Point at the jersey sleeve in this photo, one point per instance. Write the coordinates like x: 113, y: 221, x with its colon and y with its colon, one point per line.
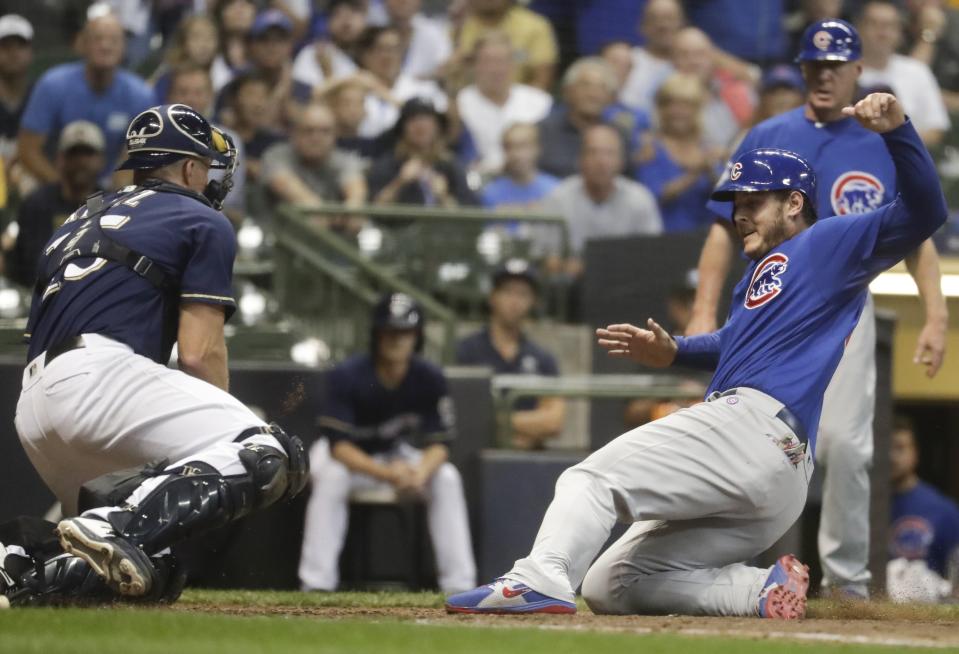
x: 866, y: 244
x: 208, y: 277
x: 699, y: 352
x: 338, y: 418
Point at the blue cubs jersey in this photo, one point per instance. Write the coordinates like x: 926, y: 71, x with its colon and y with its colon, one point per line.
x: 795, y: 307
x: 925, y: 526
x: 361, y: 410
x: 854, y: 173
x: 193, y: 244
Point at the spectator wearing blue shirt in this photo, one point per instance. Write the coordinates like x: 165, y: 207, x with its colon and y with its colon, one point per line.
x: 522, y: 185
x: 95, y: 89
x: 503, y: 346
x: 673, y: 161
x: 925, y: 523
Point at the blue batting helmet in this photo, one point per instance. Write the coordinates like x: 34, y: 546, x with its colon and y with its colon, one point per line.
x: 832, y: 39
x: 768, y: 169
x: 161, y: 135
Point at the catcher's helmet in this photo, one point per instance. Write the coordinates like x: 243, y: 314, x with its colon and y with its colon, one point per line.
x: 768, y: 169
x: 164, y: 134
x: 397, y: 311
x: 832, y: 39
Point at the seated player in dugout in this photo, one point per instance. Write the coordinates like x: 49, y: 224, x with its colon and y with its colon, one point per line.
x: 924, y: 528
x: 502, y: 346
x: 387, y: 420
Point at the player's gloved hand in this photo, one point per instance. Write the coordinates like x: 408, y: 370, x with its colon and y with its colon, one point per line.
x: 650, y: 347
x: 879, y: 112
x: 931, y: 347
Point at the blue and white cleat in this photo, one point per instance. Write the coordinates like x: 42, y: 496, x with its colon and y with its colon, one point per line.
x: 783, y: 596
x: 505, y: 596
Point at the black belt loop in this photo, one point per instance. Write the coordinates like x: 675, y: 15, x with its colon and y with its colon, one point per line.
x: 64, y: 346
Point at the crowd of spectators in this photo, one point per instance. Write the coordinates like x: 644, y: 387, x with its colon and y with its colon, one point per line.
x: 472, y: 102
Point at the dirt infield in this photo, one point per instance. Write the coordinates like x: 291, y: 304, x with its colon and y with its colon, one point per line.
x: 878, y: 624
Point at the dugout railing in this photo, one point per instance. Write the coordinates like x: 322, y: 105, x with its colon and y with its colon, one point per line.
x: 329, y: 279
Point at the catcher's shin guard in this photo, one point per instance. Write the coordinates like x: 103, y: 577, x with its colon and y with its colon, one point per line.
x: 195, y: 497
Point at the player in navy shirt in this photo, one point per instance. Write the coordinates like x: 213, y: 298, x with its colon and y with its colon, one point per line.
x: 503, y: 346
x: 387, y: 420
x: 101, y: 416
x: 721, y: 481
x: 925, y: 523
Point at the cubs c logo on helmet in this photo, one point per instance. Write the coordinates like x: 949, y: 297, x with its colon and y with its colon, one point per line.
x: 822, y: 39
x: 736, y: 172
x: 765, y: 283
x: 856, y: 192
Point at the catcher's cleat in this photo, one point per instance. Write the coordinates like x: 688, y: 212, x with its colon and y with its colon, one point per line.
x: 125, y: 567
x: 505, y: 596
x: 783, y: 596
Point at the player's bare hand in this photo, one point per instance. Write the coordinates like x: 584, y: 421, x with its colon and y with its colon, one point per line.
x: 931, y: 347
x: 879, y: 112
x: 650, y: 347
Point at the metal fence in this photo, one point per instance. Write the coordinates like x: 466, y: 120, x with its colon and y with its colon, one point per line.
x: 440, y: 257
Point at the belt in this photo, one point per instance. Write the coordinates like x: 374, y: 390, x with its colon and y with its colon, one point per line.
x: 784, y: 414
x: 64, y: 346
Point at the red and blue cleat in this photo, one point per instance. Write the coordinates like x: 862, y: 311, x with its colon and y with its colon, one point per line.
x: 505, y: 596
x: 783, y: 596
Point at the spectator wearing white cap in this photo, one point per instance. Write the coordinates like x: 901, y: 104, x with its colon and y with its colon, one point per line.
x: 79, y: 159
x: 16, y: 53
x: 95, y: 89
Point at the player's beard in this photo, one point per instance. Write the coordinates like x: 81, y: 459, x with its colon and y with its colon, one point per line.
x: 773, y: 234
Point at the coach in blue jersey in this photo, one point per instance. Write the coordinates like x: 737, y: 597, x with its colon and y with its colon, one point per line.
x: 387, y: 420
x: 855, y: 175
x: 721, y: 481
x: 151, y: 455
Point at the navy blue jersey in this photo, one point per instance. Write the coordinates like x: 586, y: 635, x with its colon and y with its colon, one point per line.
x: 189, y: 240
x: 925, y: 525
x: 794, y: 308
x: 477, y: 350
x: 854, y: 173
x: 361, y: 410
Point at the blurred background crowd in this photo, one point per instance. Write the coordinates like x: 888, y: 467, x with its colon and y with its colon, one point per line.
x: 465, y: 152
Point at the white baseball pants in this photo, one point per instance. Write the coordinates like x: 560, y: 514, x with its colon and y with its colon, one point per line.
x: 845, y: 448
x: 102, y: 408
x: 327, y: 515
x: 704, y: 488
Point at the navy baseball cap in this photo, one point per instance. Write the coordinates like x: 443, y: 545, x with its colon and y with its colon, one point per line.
x: 782, y: 76
x: 516, y: 269
x: 832, y: 39
x: 768, y: 169
x: 270, y: 19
